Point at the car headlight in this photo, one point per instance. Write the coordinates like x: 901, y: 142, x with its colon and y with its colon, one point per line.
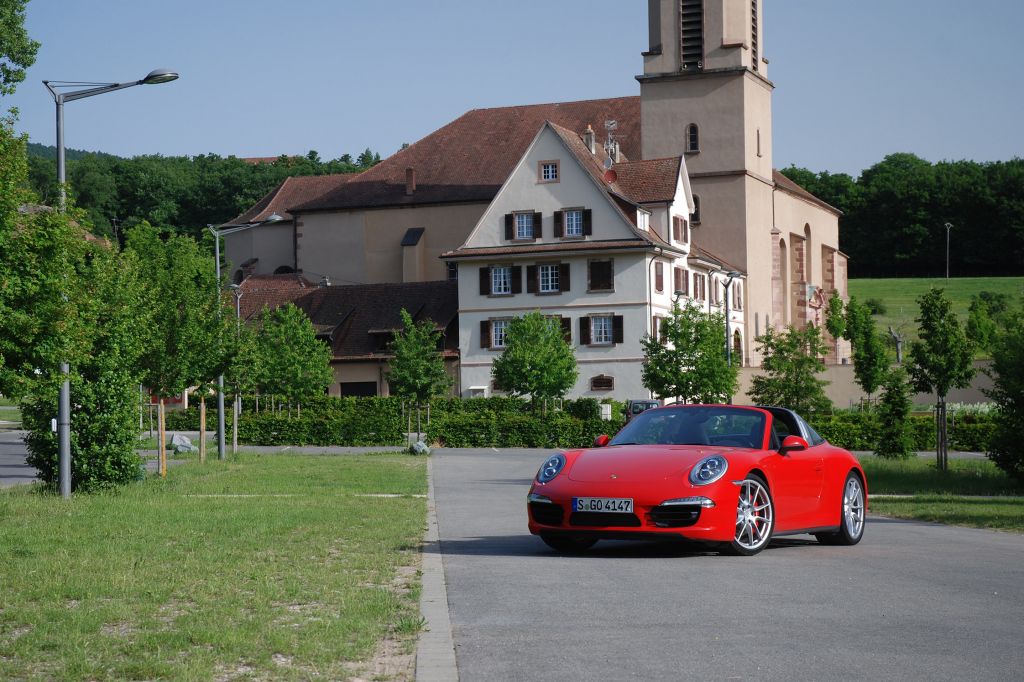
x: 550, y: 468
x: 709, y: 470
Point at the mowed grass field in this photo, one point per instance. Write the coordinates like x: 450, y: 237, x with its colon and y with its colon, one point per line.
x: 260, y: 567
x: 900, y: 296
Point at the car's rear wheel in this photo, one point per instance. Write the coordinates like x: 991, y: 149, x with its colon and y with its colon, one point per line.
x: 851, y: 524
x: 755, y: 517
x: 568, y: 543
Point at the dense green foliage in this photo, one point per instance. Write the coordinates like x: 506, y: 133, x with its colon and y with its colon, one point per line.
x: 416, y: 370
x: 17, y: 50
x: 792, y: 361
x: 895, y: 440
x: 296, y: 364
x: 835, y: 319
x: 895, y: 215
x: 180, y: 192
x: 1007, y: 448
x: 537, y: 360
x: 687, y: 360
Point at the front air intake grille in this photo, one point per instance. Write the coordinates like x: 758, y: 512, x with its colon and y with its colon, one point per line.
x: 675, y: 516
x: 604, y: 519
x: 547, y: 513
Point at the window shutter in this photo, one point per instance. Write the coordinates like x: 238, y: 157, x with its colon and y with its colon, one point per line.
x: 559, y: 230
x: 485, y: 281
x: 659, y: 276
x: 662, y: 337
x: 485, y: 333
x: 686, y: 232
x: 686, y: 282
x: 584, y: 331
x: 677, y: 280
x: 531, y: 279
x: 677, y: 233
x: 538, y: 223
x: 509, y: 227
x: 617, y: 332
x: 563, y: 277
x: 517, y: 279
x: 567, y: 329
x: 588, y: 228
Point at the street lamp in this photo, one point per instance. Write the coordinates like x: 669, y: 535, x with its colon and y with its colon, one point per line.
x: 64, y: 403
x: 223, y: 231
x: 237, y: 291
x: 949, y: 226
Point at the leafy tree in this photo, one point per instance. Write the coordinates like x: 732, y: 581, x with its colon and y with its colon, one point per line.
x: 688, y: 361
x: 789, y: 368
x: 17, y: 50
x: 297, y: 364
x: 895, y: 439
x: 870, y: 360
x: 835, y: 319
x: 858, y: 321
x: 940, y: 360
x: 537, y: 360
x: 417, y: 368
x: 987, y: 309
x: 1006, y: 448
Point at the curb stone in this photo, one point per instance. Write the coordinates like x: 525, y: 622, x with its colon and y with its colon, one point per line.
x: 435, y: 651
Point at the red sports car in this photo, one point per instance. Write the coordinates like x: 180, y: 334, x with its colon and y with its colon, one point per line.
x: 714, y: 473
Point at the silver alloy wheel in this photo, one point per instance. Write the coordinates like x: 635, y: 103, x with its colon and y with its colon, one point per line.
x: 753, y: 515
x: 853, y: 507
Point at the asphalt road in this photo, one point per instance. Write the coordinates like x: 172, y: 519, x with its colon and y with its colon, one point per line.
x: 13, y: 469
x: 912, y: 601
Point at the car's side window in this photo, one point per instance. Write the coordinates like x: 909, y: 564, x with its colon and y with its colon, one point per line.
x: 814, y: 438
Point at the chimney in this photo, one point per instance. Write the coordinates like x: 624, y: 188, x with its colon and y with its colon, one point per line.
x: 612, y: 149
x: 410, y: 181
x: 590, y: 139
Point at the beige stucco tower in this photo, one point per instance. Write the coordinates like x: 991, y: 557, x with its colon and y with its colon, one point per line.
x: 705, y: 94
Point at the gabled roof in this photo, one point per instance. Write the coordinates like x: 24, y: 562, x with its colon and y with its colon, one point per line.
x: 787, y: 185
x: 292, y: 191
x: 470, y: 158
x: 356, y: 320
x: 698, y: 254
x: 649, y: 181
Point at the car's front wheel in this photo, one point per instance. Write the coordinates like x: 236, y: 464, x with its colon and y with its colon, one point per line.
x: 755, y: 517
x: 851, y: 524
x: 567, y: 543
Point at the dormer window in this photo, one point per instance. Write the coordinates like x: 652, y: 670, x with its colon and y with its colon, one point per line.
x: 692, y: 138
x: 547, y: 171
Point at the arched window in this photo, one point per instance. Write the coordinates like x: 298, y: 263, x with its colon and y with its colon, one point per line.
x: 695, y: 216
x: 692, y: 138
x: 737, y: 344
x: 808, y: 260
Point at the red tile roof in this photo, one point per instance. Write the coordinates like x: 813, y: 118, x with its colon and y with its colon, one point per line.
x: 292, y: 191
x: 787, y: 185
x: 649, y: 181
x: 471, y: 157
x: 270, y: 291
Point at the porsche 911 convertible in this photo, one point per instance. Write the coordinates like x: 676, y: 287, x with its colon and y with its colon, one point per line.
x: 724, y: 474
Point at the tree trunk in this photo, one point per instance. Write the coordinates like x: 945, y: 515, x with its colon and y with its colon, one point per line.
x: 202, y: 429
x: 162, y: 435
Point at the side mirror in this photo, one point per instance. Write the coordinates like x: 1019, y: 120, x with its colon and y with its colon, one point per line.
x: 601, y: 441
x: 792, y: 444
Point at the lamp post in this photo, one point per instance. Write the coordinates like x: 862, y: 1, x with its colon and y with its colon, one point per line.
x: 223, y: 231
x: 237, y: 291
x: 154, y: 77
x: 949, y: 226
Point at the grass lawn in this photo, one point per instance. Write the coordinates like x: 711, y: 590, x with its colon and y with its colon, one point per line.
x: 10, y: 414
x: 900, y: 296
x: 953, y: 497
x: 265, y: 567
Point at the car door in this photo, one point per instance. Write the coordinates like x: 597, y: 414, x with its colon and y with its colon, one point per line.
x: 798, y: 479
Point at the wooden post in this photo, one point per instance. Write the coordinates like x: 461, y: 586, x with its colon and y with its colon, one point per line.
x: 162, y: 434
x: 202, y: 428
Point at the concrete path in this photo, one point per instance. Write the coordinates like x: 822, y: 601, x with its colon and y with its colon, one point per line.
x: 913, y: 601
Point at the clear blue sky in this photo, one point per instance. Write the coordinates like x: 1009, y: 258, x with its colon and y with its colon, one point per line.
x: 855, y: 80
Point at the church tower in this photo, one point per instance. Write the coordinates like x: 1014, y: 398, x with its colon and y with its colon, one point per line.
x: 705, y: 94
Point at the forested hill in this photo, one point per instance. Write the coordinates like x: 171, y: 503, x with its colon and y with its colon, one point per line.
x: 48, y: 151
x: 894, y: 216
x: 184, y: 193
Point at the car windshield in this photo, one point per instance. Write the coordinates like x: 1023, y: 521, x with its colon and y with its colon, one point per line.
x: 695, y: 425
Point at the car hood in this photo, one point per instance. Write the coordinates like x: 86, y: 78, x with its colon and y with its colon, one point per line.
x: 638, y: 463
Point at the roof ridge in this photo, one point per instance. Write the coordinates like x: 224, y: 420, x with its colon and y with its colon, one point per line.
x: 548, y: 104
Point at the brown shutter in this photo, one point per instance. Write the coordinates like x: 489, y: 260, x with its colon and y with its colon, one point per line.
x: 559, y: 230
x: 584, y: 331
x: 677, y: 280
x: 485, y: 333
x: 509, y: 226
x: 485, y: 281
x: 686, y: 282
x: 676, y: 230
x: 686, y: 232
x: 538, y: 226
x: 566, y: 329
x: 617, y: 332
x: 588, y: 228
x: 659, y: 276
x: 531, y: 279
x: 661, y: 332
x: 517, y: 279
x: 563, y: 277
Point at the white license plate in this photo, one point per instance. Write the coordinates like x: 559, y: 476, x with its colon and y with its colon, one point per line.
x: 602, y: 504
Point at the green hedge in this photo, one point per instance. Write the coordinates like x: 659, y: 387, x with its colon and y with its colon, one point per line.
x: 489, y: 429
x: 859, y: 430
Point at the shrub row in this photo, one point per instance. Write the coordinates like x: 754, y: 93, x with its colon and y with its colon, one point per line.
x: 489, y: 429
x: 859, y: 431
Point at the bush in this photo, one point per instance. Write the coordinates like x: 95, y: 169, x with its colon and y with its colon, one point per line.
x: 487, y: 429
x: 895, y: 439
x: 876, y: 306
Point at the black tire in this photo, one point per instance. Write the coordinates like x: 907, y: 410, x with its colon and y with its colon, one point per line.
x: 754, y: 493
x: 568, y: 543
x: 851, y: 514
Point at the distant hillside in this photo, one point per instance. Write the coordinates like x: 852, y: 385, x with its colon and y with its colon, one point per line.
x: 48, y: 151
